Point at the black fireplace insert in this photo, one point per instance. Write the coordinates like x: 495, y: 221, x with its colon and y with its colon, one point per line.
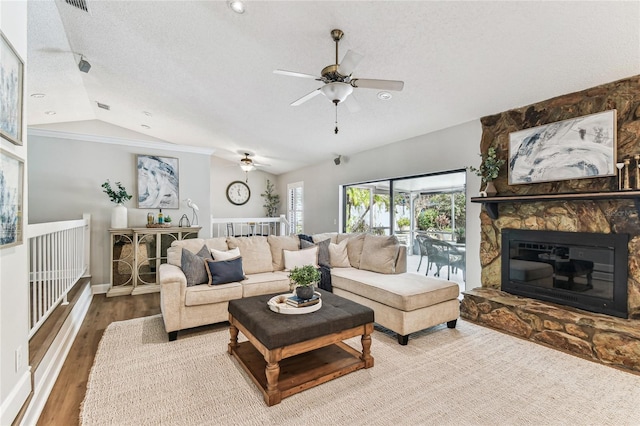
x: 579, y: 269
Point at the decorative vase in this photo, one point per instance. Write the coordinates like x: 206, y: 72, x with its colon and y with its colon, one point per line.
x: 304, y: 292
x: 119, y: 216
x: 490, y: 189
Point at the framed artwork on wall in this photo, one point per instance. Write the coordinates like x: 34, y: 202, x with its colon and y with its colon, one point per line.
x: 582, y: 147
x: 158, y: 182
x: 11, y: 196
x: 11, y: 76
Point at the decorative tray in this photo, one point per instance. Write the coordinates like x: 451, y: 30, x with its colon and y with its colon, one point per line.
x: 278, y: 304
x: 158, y: 225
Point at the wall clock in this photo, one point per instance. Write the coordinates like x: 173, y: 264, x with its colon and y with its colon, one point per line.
x: 238, y: 193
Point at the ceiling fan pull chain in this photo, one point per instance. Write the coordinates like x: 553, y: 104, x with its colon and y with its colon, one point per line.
x: 336, y: 129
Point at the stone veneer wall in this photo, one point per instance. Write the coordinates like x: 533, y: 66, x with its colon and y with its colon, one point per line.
x: 604, y: 216
x: 597, y: 337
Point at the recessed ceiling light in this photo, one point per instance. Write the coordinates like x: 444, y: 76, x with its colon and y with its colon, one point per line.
x: 147, y: 113
x: 384, y: 96
x: 50, y: 112
x: 237, y: 6
x: 38, y: 95
x: 145, y: 126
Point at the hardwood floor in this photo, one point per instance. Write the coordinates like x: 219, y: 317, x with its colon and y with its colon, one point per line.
x: 63, y: 405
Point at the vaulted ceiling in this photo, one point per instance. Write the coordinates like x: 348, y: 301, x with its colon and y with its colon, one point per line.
x: 198, y: 74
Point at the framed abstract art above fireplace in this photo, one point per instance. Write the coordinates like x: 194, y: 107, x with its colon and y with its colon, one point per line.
x: 582, y: 147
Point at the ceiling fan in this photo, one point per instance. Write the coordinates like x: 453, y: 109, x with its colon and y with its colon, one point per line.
x: 247, y: 164
x: 338, y: 80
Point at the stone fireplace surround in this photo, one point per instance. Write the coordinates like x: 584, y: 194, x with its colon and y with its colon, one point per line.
x: 602, y: 338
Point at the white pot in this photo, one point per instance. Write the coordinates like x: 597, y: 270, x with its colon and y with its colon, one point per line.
x: 119, y: 216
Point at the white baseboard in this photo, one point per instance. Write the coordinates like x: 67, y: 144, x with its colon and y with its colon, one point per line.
x: 100, y: 288
x: 13, y: 402
x: 49, y: 369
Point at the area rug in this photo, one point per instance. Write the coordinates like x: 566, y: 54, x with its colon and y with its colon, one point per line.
x: 470, y: 375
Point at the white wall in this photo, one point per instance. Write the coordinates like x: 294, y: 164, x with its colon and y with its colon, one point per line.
x: 65, y: 178
x: 453, y: 148
x: 15, y: 384
x: 224, y: 172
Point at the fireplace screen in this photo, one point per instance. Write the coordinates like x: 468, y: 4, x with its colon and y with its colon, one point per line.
x: 584, y: 270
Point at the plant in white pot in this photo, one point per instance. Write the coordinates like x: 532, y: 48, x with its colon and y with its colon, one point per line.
x: 304, y: 278
x: 119, y: 212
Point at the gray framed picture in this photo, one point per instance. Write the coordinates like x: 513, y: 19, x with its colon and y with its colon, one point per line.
x: 11, y: 75
x: 583, y: 147
x: 11, y: 196
x: 158, y: 182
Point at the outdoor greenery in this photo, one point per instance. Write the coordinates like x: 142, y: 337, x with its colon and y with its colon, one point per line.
x: 435, y: 211
x: 490, y: 166
x: 360, y: 200
x: 304, y: 276
x: 117, y: 197
x: 271, y: 200
x: 403, y: 221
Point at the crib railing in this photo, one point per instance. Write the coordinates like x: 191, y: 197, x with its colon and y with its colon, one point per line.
x: 249, y: 226
x: 58, y: 258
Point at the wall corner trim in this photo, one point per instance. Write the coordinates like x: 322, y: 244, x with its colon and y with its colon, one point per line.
x: 119, y: 141
x: 12, y: 404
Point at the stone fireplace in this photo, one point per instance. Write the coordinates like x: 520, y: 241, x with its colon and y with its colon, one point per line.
x: 612, y: 337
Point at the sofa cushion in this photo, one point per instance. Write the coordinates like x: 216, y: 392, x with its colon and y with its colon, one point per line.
x: 193, y: 266
x: 224, y: 271
x: 379, y: 253
x: 333, y: 236
x: 174, y: 253
x: 338, y: 256
x: 255, y: 252
x: 206, y: 295
x: 266, y: 283
x: 299, y: 258
x: 406, y: 292
x: 279, y: 243
x: 323, y: 251
x: 354, y: 249
x: 225, y: 254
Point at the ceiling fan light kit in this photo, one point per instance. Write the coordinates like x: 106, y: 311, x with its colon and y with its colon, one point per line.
x: 338, y: 83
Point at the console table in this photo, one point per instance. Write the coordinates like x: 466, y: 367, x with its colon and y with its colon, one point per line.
x: 136, y: 255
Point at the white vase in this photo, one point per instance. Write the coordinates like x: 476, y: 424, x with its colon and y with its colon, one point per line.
x: 119, y: 216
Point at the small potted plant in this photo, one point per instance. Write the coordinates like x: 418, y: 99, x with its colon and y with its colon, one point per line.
x: 489, y: 170
x: 304, y: 278
x: 403, y: 223
x: 119, y: 212
x: 167, y: 220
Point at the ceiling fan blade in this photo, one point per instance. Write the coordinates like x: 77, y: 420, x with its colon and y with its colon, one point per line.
x: 349, y: 63
x: 306, y: 97
x: 352, y: 104
x: 295, y: 74
x: 367, y: 83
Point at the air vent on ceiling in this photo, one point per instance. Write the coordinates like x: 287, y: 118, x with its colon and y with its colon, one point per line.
x: 103, y: 106
x: 79, y: 4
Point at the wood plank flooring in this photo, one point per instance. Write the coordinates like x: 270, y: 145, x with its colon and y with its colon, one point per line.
x: 63, y: 405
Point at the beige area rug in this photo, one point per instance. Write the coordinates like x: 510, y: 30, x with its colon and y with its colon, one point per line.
x: 470, y: 375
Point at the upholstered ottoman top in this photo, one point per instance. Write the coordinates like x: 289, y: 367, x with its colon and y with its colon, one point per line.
x: 275, y: 330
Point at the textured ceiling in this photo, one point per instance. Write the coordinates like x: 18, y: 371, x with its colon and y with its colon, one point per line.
x: 206, y: 74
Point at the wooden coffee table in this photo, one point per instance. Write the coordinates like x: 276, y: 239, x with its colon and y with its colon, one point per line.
x: 287, y: 354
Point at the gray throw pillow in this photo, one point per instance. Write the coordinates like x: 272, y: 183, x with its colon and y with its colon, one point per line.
x: 193, y: 266
x: 323, y: 251
x: 224, y: 271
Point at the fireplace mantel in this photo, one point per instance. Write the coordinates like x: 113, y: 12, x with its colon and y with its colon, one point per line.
x: 491, y: 203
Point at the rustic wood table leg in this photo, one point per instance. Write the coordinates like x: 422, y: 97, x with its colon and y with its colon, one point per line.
x: 273, y: 395
x: 366, y: 346
x: 233, y: 341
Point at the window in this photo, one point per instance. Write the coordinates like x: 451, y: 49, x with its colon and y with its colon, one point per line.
x: 295, y: 207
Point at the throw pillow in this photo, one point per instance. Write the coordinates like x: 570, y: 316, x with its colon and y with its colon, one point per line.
x: 338, y: 255
x: 278, y: 243
x: 298, y: 258
x: 193, y: 267
x: 354, y: 249
x: 380, y: 253
x: 255, y: 252
x: 323, y: 251
x: 225, y: 254
x: 224, y: 271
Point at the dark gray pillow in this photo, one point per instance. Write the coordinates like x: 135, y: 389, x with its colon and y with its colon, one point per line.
x: 323, y: 251
x: 224, y: 271
x: 193, y: 266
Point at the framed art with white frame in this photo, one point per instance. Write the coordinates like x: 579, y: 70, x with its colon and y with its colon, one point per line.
x: 11, y: 77
x: 158, y: 182
x: 582, y: 147
x: 11, y: 198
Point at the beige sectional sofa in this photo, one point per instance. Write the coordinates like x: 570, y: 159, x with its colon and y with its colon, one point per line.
x: 374, y: 275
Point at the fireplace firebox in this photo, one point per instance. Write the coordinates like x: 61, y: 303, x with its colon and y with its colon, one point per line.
x: 579, y: 269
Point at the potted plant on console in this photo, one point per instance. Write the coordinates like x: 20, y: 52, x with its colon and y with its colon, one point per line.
x: 119, y: 212
x: 304, y: 278
x: 489, y: 170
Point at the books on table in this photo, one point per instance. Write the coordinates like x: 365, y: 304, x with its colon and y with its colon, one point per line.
x: 299, y: 303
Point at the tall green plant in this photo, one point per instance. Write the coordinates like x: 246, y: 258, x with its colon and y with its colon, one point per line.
x: 271, y: 200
